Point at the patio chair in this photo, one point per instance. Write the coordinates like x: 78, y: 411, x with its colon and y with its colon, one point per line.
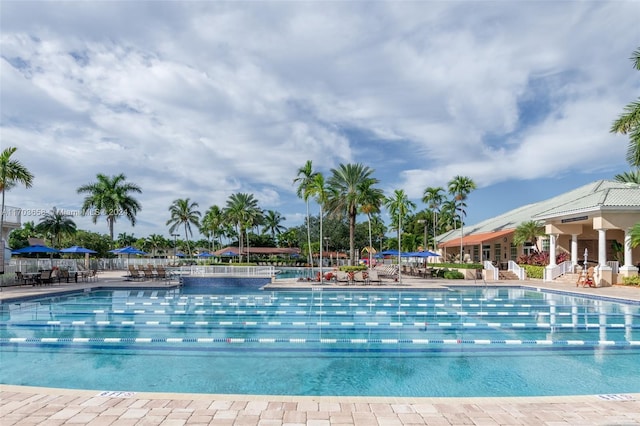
x: 22, y: 279
x: 586, y: 280
x: 45, y: 277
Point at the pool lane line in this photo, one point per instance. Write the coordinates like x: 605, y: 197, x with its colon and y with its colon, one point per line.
x: 365, y: 324
x: 354, y: 341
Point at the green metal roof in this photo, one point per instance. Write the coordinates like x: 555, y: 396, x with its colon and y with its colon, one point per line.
x: 601, y: 195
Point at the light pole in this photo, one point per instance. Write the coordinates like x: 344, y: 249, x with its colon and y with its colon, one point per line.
x: 175, y: 247
x: 326, y: 244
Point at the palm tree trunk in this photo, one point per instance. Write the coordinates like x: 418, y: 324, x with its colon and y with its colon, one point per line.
x: 186, y: 236
x: 320, y: 265
x: 370, y: 239
x: 309, y: 236
x: 352, y: 237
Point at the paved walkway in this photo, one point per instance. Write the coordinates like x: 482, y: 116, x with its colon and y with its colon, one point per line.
x: 21, y: 405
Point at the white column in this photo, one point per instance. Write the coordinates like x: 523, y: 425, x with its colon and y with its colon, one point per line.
x: 602, y: 247
x: 574, y: 249
x: 628, y: 261
x: 552, y: 249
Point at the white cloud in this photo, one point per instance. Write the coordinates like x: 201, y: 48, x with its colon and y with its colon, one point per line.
x: 205, y: 99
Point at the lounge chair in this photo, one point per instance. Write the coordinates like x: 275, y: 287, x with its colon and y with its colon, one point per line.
x: 359, y: 277
x: 586, y: 280
x: 342, y: 277
x: 134, y: 274
x: 374, y: 278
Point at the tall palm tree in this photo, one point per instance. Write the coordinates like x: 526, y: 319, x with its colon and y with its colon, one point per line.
x: 55, y: 224
x: 242, y: 210
x: 372, y: 199
x: 319, y: 190
x: 528, y: 232
x: 399, y: 206
x: 459, y: 188
x: 111, y: 197
x: 12, y: 173
x: 183, y: 212
x: 629, y: 122
x: 433, y: 198
x: 346, y: 185
x: 305, y: 176
x: 212, y: 223
x: 272, y: 223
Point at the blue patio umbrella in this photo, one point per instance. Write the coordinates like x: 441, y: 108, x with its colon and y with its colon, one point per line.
x: 127, y: 250
x: 205, y: 254
x: 77, y: 249
x: 426, y: 253
x: 229, y: 253
x: 389, y: 253
x: 180, y: 254
x: 35, y: 249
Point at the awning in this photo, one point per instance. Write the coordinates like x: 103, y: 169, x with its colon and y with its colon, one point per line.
x: 476, y: 239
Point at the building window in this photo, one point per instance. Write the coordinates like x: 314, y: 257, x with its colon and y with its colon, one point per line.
x: 497, y: 252
x: 545, y: 244
x: 514, y: 252
x: 476, y: 253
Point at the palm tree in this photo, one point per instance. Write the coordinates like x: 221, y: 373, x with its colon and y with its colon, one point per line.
x: 272, y: 220
x: 345, y: 188
x: 399, y: 206
x: 12, y: 173
x: 319, y: 190
x: 155, y: 243
x: 111, y: 197
x: 305, y: 176
x: 242, y: 210
x: 125, y: 239
x: 372, y: 199
x: 183, y: 212
x: 628, y: 177
x: 528, y: 231
x: 629, y: 122
x: 56, y: 223
x: 433, y: 197
x: 459, y: 188
x: 212, y: 222
x: 635, y: 235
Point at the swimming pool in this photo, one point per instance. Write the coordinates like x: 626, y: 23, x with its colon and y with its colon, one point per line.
x: 456, y: 342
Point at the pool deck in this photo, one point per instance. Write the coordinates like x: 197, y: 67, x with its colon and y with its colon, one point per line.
x: 23, y: 405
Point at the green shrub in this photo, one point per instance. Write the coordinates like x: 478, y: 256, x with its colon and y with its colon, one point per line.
x: 534, y: 271
x: 356, y: 268
x: 631, y: 280
x: 453, y: 275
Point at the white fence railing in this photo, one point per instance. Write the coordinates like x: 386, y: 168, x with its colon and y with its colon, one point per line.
x: 518, y: 270
x: 550, y: 274
x: 492, y: 271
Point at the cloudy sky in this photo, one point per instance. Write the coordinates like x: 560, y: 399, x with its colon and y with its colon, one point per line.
x: 204, y: 99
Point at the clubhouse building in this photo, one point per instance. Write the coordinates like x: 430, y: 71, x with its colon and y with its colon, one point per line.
x: 592, y: 222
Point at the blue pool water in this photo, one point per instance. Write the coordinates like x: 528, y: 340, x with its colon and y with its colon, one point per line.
x: 235, y: 338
